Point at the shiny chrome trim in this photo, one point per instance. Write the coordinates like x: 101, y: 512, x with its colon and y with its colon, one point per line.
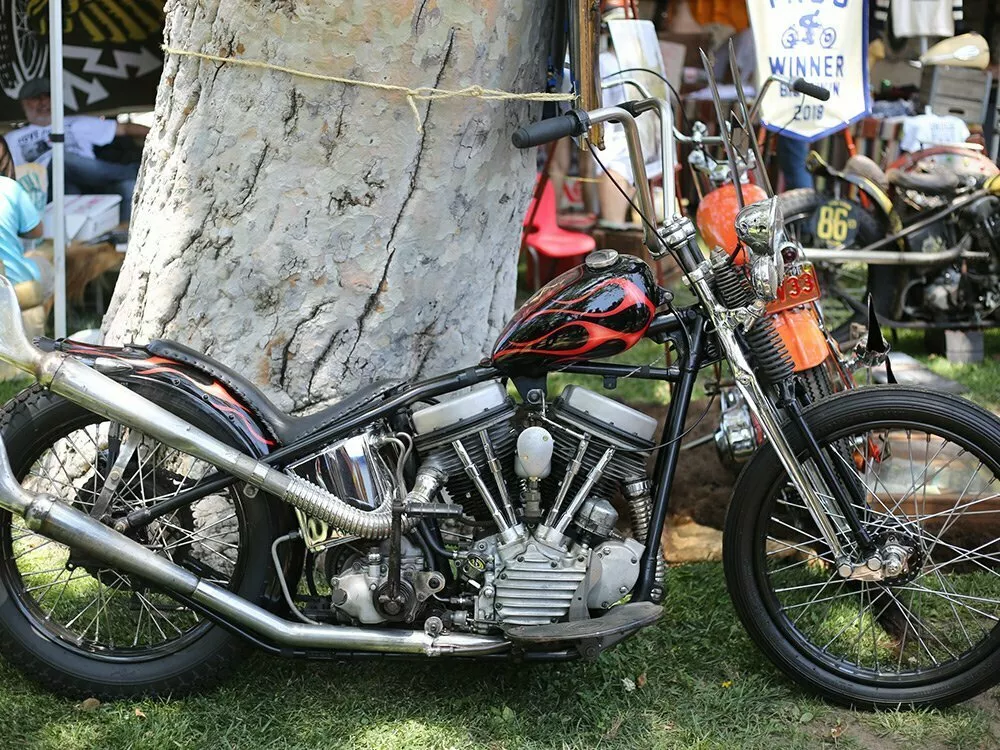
x: 890, y: 257
x: 494, y: 463
x: 503, y: 525
x: 627, y: 121
x: 52, y: 518
x: 588, y: 484
x: 726, y: 322
x: 101, y: 395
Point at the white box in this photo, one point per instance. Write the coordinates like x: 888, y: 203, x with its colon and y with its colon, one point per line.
x: 87, y: 216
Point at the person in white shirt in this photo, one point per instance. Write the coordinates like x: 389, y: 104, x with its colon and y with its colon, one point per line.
x: 85, y: 172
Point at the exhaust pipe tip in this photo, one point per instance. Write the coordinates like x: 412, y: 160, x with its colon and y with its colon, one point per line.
x: 15, y: 347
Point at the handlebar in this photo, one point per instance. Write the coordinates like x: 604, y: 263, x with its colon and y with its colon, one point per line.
x: 811, y: 89
x: 541, y: 132
x: 798, y: 84
x: 575, y: 122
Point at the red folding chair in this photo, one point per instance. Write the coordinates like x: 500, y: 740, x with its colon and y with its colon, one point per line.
x: 546, y: 242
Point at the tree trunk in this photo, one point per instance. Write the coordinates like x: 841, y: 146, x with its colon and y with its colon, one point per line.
x: 303, y: 232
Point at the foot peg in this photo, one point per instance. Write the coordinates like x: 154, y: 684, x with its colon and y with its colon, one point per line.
x: 589, y: 637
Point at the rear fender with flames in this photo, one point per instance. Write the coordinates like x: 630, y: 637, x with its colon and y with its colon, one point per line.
x: 133, y: 363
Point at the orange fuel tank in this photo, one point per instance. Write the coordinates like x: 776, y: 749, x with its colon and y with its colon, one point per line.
x: 717, y: 215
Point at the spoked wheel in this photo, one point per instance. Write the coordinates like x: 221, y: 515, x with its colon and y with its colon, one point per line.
x: 81, y: 627
x: 925, y: 471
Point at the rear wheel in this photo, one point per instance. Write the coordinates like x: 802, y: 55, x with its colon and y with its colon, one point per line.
x: 928, y: 469
x: 82, y: 628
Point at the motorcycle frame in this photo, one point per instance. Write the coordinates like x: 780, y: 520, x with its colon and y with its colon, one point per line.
x: 664, y: 327
x: 104, y: 396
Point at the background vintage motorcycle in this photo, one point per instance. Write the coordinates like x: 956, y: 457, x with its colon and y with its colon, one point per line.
x: 922, y: 238
x: 157, y: 508
x: 924, y: 234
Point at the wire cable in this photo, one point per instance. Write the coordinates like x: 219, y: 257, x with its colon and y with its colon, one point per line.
x: 673, y: 253
x: 688, y: 431
x: 680, y: 104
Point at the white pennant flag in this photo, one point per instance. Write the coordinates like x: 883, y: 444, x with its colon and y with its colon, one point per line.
x: 826, y: 43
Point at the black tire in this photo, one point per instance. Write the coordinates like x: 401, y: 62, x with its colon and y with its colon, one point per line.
x: 766, y: 563
x: 52, y: 650
x: 840, y: 282
x: 817, y: 383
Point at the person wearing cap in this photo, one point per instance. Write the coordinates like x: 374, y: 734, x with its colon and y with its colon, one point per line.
x: 85, y: 172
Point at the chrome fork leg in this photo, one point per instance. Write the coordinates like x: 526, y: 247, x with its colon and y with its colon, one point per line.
x: 760, y: 405
x: 725, y: 322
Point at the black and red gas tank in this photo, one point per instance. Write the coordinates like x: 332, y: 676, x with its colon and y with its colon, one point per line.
x: 595, y: 310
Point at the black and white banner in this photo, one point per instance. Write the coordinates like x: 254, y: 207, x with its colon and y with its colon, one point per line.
x: 823, y: 41
x: 111, y: 53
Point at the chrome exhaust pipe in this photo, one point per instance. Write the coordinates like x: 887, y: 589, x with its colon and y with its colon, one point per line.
x: 890, y: 257
x: 52, y: 518
x: 98, y: 393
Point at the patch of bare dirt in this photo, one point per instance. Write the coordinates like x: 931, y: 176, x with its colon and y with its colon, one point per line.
x: 702, y: 484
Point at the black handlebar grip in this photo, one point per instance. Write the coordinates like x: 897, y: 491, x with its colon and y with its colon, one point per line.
x: 811, y: 89
x: 575, y: 122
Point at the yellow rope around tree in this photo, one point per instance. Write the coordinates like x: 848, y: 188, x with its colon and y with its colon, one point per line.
x: 421, y: 92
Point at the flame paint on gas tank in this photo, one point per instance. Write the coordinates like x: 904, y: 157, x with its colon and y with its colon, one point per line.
x: 586, y: 313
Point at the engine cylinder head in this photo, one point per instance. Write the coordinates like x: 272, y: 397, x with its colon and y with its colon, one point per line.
x: 486, y: 410
x: 608, y: 424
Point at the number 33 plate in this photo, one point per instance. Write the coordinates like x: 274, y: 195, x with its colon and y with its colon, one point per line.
x: 835, y: 223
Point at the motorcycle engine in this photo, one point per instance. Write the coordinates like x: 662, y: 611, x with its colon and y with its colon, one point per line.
x: 520, y: 566
x: 537, y: 540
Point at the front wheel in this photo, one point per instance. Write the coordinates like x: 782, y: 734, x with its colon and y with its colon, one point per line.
x: 924, y: 469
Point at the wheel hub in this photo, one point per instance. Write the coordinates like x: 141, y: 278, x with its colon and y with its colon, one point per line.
x: 897, y: 559
x: 902, y: 556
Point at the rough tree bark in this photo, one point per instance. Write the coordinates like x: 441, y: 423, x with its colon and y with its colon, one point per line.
x: 303, y: 232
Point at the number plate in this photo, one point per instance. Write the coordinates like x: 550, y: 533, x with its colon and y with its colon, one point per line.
x: 835, y: 223
x: 800, y: 286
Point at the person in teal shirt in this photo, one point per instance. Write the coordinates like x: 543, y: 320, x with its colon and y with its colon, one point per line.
x: 18, y: 218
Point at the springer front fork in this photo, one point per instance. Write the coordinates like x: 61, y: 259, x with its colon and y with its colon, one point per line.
x: 822, y: 484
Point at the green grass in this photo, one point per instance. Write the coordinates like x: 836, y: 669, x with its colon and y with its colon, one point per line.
x: 10, y: 388
x: 693, y: 681
x: 982, y: 379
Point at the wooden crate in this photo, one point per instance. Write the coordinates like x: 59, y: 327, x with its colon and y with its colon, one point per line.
x: 963, y: 92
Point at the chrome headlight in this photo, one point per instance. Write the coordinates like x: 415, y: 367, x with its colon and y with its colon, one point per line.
x: 761, y: 228
x: 766, y: 275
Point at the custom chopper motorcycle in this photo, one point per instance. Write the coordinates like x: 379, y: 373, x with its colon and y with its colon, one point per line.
x: 157, y: 509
